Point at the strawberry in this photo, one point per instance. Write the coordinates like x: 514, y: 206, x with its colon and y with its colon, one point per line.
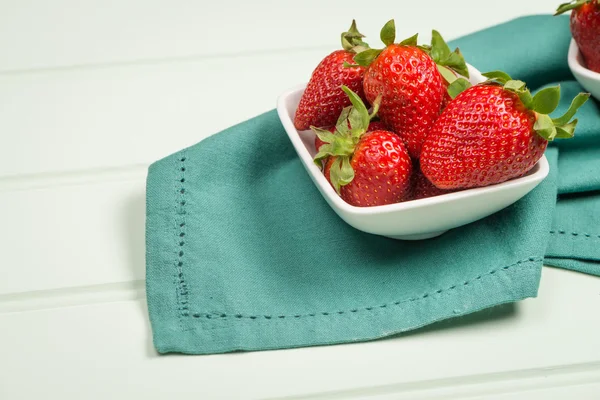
x: 493, y: 132
x: 323, y: 99
x: 365, y: 168
x: 585, y: 28
x: 381, y: 167
x: 377, y: 126
x: 411, y: 80
x: 423, y: 188
x: 445, y: 100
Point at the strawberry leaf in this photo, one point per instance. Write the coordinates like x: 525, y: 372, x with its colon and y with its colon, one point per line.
x: 342, y: 123
x: 546, y: 100
x: 456, y: 61
x: 335, y: 144
x: 411, y: 41
x: 365, y: 58
x: 458, y: 86
x: 446, y: 73
x: 352, y: 40
x: 359, y: 115
x: 545, y: 127
x: 497, y: 76
x: 334, y: 174
x: 341, y: 173
x: 388, y: 33
x: 566, y: 131
x: 577, y: 102
x: 560, y: 128
x: 441, y: 54
x: 526, y: 98
x: 570, y: 6
x: 341, y: 146
x: 323, y: 134
x: 520, y: 89
x: 346, y: 172
x: 439, y: 48
x: 324, y: 152
x: 514, y: 85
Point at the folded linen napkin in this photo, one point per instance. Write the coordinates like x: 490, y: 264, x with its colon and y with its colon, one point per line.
x: 243, y: 253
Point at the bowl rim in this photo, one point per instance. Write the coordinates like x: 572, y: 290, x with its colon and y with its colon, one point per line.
x: 540, y: 171
x: 576, y: 66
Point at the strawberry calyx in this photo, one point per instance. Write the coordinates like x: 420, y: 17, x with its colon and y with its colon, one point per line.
x: 542, y: 103
x: 351, y: 125
x: 451, y: 64
x: 446, y: 60
x: 387, y: 35
x: 352, y: 40
x: 571, y: 5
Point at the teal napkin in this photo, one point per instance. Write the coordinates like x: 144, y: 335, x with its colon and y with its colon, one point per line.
x: 243, y: 253
x: 540, y: 60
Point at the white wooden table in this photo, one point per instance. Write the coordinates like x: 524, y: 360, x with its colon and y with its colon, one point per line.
x: 91, y: 92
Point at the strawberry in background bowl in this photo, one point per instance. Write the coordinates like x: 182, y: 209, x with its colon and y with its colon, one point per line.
x: 584, y: 51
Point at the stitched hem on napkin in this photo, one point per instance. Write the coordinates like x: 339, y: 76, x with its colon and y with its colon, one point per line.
x: 208, y: 333
x: 564, y: 243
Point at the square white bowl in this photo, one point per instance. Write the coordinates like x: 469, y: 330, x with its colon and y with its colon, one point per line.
x: 587, y: 78
x: 415, y: 219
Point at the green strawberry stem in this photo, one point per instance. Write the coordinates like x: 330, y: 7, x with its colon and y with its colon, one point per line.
x: 543, y: 103
x: 352, y: 124
x: 352, y: 40
x: 571, y: 5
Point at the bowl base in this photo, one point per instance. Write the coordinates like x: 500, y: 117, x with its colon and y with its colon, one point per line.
x: 420, y: 236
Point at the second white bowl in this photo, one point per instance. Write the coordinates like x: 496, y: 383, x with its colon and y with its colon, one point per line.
x: 587, y: 78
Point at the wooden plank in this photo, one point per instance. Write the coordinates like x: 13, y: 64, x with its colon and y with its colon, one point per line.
x: 111, y: 117
x: 99, y: 351
x: 73, y: 235
x: 39, y: 34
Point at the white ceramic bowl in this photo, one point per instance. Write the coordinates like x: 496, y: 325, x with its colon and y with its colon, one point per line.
x: 416, y: 219
x: 587, y: 78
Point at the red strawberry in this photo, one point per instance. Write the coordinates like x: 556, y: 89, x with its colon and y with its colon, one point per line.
x: 412, y: 98
x: 493, y: 132
x: 585, y: 28
x: 323, y: 100
x: 382, y: 170
x: 377, y: 126
x: 445, y: 100
x: 422, y: 188
x: 365, y: 168
x: 411, y: 85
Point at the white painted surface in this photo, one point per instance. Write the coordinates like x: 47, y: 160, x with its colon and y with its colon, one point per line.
x: 92, y: 91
